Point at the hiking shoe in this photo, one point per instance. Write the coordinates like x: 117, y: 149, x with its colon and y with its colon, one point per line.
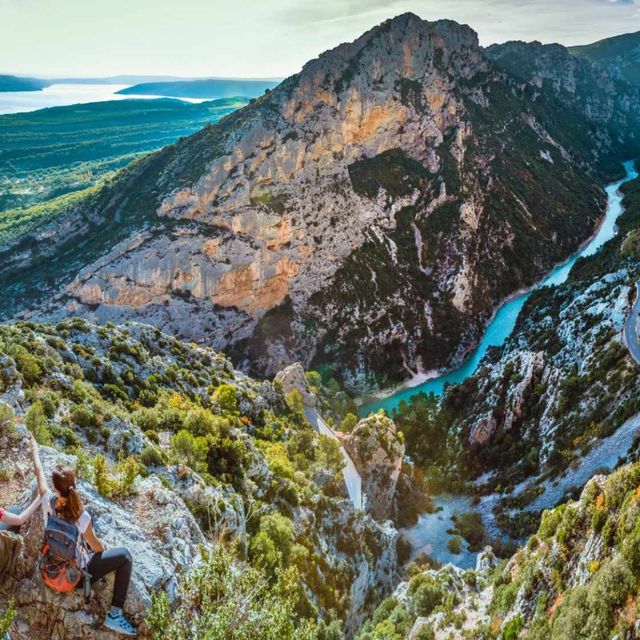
x: 120, y: 624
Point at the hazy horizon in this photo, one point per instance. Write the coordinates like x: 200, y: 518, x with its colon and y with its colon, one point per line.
x: 260, y: 40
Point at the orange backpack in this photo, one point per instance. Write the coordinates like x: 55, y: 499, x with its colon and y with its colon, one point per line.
x: 59, y: 566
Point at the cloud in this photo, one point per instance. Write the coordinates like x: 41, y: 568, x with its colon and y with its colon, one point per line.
x: 258, y: 38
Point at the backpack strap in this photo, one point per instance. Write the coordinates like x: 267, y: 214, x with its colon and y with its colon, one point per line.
x: 52, y: 504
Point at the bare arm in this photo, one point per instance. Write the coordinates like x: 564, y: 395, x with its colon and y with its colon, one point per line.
x: 93, y: 540
x: 37, y: 466
x: 16, y: 520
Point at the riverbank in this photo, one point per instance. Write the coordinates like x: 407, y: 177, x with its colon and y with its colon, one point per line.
x: 431, y: 534
x: 504, y: 318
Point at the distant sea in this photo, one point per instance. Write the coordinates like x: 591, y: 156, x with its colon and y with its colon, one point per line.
x: 59, y: 95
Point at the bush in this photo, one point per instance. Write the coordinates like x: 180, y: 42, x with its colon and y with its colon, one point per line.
x: 222, y: 600
x: 349, y: 422
x: 153, y: 457
x: 454, y: 545
x: 7, y: 617
x: 101, y: 477
x: 128, y: 472
x: 189, y: 450
x: 469, y: 525
x: 36, y: 422
x: 200, y: 422
x: 425, y: 633
x: 426, y: 594
x: 513, y: 628
x: 147, y: 419
x: 147, y: 398
x: 27, y: 365
x: 7, y: 421
x: 84, y: 417
x: 83, y: 464
x: 226, y: 455
x: 121, y: 485
x: 271, y: 547
x: 226, y: 398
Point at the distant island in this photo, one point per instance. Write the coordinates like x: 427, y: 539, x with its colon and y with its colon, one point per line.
x: 209, y: 89
x: 14, y: 83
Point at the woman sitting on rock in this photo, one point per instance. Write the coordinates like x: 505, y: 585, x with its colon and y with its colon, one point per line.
x: 68, y: 505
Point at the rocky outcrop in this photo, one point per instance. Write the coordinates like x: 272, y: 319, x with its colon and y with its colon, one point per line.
x: 377, y: 451
x: 556, y: 385
x: 292, y: 378
x: 258, y: 458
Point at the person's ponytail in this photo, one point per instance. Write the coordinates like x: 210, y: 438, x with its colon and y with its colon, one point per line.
x: 69, y: 504
x: 74, y: 505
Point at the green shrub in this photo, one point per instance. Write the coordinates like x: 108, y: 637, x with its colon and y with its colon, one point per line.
x: 7, y: 421
x: 84, y: 417
x: 222, y: 600
x: 147, y: 419
x: 7, y: 617
x: 153, y: 457
x: 512, y: 628
x: 83, y: 466
x: 189, y: 450
x: 114, y: 392
x: 147, y: 398
x: 426, y: 594
x: 504, y: 596
x: 102, y: 479
x: 454, y: 545
x: 469, y: 525
x: 27, y: 364
x: 271, y: 547
x: 36, y: 421
x: 128, y: 470
x: 226, y: 398
x: 592, y: 607
x: 425, y: 633
x: 200, y: 422
x: 349, y: 422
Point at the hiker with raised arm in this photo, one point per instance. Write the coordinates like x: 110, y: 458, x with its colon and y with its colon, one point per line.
x: 66, y: 563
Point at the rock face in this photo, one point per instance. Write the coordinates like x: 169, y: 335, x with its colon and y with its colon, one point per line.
x: 364, y: 214
x: 377, y: 451
x: 620, y: 55
x: 292, y: 378
x: 593, y: 90
x: 575, y: 578
x: 161, y: 534
x: 131, y: 391
x: 563, y: 379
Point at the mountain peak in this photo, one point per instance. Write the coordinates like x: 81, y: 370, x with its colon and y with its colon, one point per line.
x: 405, y: 46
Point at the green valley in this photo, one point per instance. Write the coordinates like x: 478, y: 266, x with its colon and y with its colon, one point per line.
x: 48, y: 153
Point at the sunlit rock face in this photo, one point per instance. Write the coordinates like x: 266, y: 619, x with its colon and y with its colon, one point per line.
x: 377, y: 452
x: 368, y: 213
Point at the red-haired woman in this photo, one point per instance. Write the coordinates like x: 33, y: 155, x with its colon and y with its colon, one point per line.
x: 68, y: 505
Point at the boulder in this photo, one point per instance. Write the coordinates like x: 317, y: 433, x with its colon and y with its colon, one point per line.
x: 292, y: 378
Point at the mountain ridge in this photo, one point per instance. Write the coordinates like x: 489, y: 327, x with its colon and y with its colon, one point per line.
x: 283, y: 211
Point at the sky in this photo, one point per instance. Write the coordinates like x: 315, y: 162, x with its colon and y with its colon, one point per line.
x: 260, y: 38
